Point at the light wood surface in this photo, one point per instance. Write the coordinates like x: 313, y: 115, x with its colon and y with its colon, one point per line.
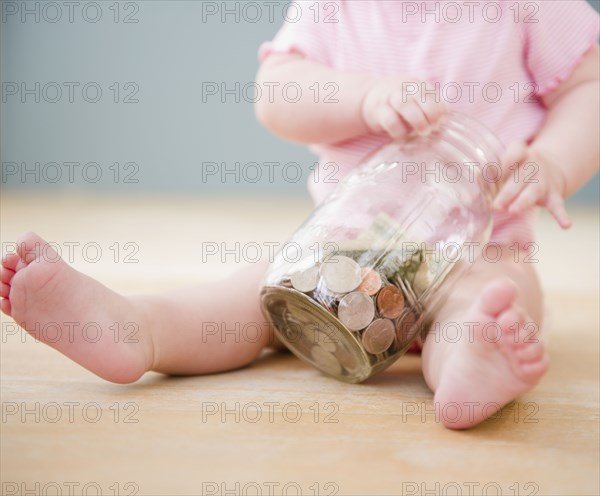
x: 378, y: 438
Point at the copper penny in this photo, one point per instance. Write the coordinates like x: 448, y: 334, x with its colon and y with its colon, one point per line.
x: 390, y: 302
x: 371, y: 281
x: 379, y: 336
x: 356, y: 310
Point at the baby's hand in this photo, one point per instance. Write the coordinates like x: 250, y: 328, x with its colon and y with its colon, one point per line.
x: 397, y: 106
x: 532, y: 179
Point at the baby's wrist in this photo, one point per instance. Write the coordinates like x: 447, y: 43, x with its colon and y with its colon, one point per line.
x: 364, y: 102
x: 543, y: 158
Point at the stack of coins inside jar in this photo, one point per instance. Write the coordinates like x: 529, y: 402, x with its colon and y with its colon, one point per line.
x: 370, y: 296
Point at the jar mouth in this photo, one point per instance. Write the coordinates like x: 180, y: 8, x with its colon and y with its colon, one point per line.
x: 459, y: 129
x: 464, y: 124
x: 489, y: 139
x: 462, y: 138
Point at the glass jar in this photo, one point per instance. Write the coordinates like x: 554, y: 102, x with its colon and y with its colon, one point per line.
x: 361, y: 278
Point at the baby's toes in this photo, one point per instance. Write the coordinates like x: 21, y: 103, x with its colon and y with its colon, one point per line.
x: 511, y: 321
x: 10, y: 262
x: 6, y: 275
x: 531, y: 352
x: 533, y: 371
x: 522, y: 346
x: 527, y: 336
x: 5, y: 306
x: 4, y: 290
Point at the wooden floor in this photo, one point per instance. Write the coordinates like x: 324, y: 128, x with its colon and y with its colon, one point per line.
x: 239, y: 433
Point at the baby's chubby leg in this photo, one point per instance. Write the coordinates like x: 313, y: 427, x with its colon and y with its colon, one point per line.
x: 208, y: 328
x: 484, y: 348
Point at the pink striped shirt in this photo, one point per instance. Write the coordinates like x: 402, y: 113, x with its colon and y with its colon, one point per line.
x: 489, y: 59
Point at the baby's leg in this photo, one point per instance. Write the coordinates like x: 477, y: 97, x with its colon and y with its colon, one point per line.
x: 497, y: 355
x: 208, y: 328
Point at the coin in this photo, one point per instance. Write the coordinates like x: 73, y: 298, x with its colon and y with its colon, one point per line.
x: 390, y: 302
x: 356, y: 310
x: 341, y: 274
x: 371, y: 281
x: 405, y: 327
x: 379, y: 336
x: 305, y: 280
x: 325, y: 360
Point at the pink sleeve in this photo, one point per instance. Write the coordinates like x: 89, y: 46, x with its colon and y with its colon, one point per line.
x: 565, y: 30
x: 301, y: 34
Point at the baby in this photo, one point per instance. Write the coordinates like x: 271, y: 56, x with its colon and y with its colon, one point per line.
x: 377, y: 70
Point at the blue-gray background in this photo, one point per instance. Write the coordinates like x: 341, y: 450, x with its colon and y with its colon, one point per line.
x: 162, y: 61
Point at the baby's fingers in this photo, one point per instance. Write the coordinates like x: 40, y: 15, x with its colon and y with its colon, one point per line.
x: 507, y: 194
x: 411, y: 112
x: 514, y: 155
x: 391, y: 123
x: 529, y: 196
x: 556, y: 206
x: 434, y: 112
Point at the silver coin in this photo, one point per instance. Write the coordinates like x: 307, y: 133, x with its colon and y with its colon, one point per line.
x: 325, y: 360
x: 356, y: 310
x: 379, y: 336
x: 305, y: 280
x: 341, y: 274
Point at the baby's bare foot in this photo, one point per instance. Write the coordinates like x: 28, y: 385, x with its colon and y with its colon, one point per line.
x: 94, y: 326
x: 493, y: 363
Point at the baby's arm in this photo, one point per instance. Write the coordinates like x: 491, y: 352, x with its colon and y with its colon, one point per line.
x: 364, y: 104
x: 566, y: 149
